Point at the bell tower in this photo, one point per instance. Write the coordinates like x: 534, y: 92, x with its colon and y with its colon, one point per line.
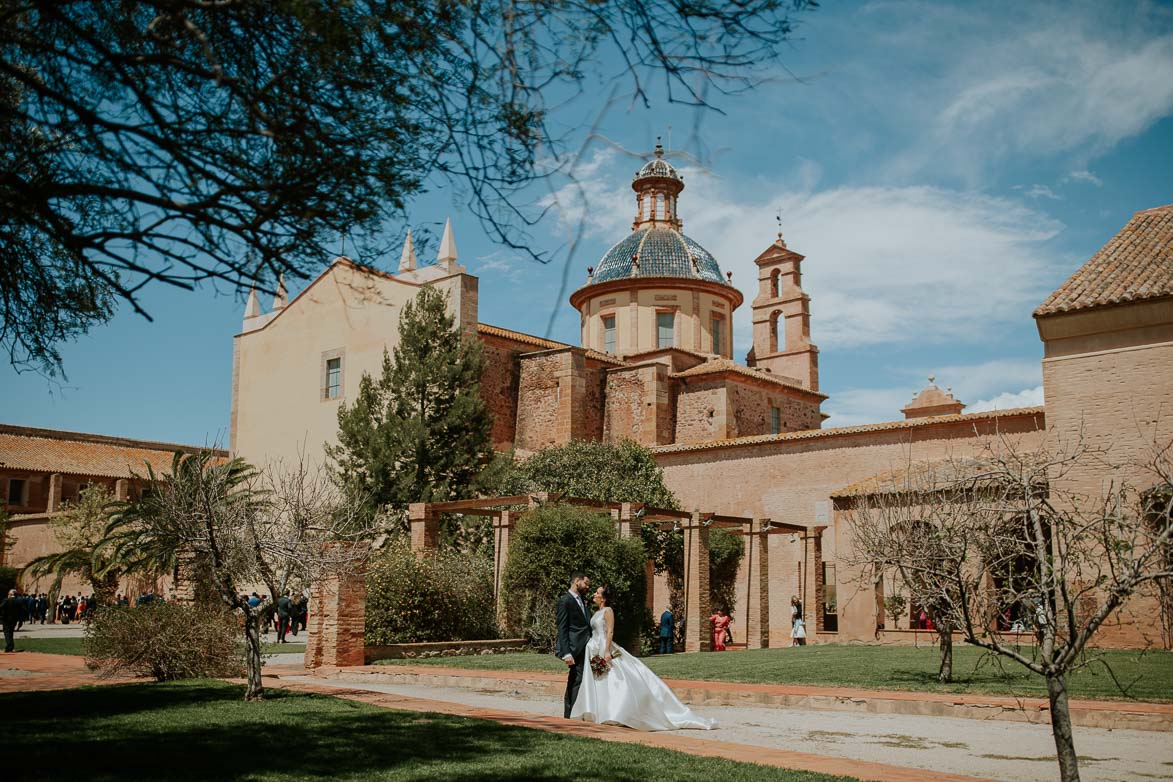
x: 782, y: 319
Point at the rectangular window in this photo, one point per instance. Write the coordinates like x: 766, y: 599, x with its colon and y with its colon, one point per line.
x: 609, y: 334
x: 16, y: 489
x: 333, y: 378
x: 718, y: 334
x: 665, y: 329
x: 775, y: 421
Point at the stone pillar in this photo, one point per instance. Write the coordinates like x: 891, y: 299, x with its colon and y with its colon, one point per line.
x: 757, y: 597
x: 337, y: 617
x: 812, y: 599
x: 425, y: 527
x: 698, y: 635
x: 122, y: 489
x: 502, y: 532
x: 54, y: 499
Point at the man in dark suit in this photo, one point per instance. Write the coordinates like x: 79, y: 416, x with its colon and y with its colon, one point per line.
x: 574, y: 630
x: 667, y: 628
x: 284, y: 611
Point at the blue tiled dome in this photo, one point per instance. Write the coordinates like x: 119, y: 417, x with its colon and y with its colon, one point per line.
x: 663, y: 252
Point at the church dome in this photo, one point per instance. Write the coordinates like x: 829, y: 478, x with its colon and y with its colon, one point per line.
x: 657, y: 252
x: 657, y: 167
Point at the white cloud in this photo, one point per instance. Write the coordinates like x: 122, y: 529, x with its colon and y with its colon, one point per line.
x: 1028, y: 397
x: 1071, y: 79
x: 985, y: 382
x: 1041, y: 191
x: 1084, y: 176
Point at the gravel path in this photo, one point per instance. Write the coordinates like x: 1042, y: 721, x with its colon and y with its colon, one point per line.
x: 1015, y: 752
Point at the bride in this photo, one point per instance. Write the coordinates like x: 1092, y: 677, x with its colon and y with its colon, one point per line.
x: 628, y: 693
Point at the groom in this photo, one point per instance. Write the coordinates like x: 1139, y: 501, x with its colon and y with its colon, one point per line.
x: 574, y: 630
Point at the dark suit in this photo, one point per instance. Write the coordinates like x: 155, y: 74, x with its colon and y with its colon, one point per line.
x: 284, y: 609
x: 574, y: 630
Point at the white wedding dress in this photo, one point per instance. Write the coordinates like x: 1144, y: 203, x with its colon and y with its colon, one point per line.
x: 629, y: 693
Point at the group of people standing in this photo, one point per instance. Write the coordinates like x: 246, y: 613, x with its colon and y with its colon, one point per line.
x: 287, y: 614
x: 722, y: 628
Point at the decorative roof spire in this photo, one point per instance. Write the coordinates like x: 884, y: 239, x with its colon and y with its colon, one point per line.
x: 659, y: 148
x: 407, y: 261
x: 778, y: 217
x: 933, y: 401
x: 447, y: 244
x: 252, y: 307
x: 281, y: 298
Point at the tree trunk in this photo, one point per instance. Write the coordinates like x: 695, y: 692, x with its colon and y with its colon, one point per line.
x: 252, y: 660
x: 945, y: 672
x: 105, y: 588
x: 1061, y: 728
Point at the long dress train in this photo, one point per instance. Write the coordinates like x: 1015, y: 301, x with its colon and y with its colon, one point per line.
x: 629, y: 693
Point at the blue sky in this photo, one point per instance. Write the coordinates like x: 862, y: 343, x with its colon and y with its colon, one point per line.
x: 942, y: 166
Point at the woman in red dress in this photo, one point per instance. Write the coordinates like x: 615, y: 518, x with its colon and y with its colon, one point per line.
x: 721, y: 621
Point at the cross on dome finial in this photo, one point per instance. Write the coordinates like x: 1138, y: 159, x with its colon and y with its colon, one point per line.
x: 659, y: 148
x: 778, y: 217
x: 932, y: 378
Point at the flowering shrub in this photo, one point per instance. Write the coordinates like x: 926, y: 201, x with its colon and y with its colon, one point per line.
x: 165, y: 641
x: 445, y: 596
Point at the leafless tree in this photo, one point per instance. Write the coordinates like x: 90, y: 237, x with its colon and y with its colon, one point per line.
x: 235, y: 528
x: 1011, y: 541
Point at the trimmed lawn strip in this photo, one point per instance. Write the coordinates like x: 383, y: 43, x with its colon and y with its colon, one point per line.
x: 200, y: 730
x: 1146, y: 676
x: 74, y: 646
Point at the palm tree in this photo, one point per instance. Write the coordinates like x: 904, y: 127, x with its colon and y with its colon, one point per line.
x: 80, y: 531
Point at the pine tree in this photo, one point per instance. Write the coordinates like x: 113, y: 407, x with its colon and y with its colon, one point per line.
x: 420, y: 432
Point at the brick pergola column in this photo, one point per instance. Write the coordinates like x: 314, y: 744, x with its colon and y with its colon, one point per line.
x: 502, y: 532
x: 758, y: 595
x: 812, y: 599
x: 425, y: 527
x: 629, y: 525
x: 53, y: 502
x: 697, y: 635
x: 337, y: 617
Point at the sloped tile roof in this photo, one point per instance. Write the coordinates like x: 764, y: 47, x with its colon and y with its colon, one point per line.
x: 541, y: 342
x: 75, y: 453
x: 814, y: 434
x: 720, y: 365
x: 1136, y: 264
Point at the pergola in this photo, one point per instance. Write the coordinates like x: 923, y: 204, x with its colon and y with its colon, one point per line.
x: 629, y: 518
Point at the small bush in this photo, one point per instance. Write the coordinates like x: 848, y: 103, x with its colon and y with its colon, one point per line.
x: 165, y: 641
x: 550, y: 543
x: 445, y: 596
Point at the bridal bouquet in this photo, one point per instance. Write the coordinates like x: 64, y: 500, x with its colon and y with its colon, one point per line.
x: 600, y: 666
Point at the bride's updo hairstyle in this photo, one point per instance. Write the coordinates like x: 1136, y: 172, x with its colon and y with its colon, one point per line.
x: 608, y: 594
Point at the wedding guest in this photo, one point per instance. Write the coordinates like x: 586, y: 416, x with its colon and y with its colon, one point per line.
x: 284, y: 613
x: 667, y: 626
x: 720, y: 621
x: 797, y: 626
x: 11, y: 609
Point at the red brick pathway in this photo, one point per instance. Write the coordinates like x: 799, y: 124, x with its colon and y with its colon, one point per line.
x: 39, y: 671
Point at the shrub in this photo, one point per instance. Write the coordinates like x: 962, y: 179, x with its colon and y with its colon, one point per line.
x: 165, y: 641
x: 445, y: 596
x: 548, y: 545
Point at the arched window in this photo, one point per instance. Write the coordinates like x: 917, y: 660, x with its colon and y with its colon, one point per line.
x: 774, y: 331
x: 774, y: 283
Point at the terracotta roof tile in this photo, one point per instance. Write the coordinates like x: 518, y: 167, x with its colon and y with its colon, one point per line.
x: 1136, y: 264
x: 540, y: 342
x: 74, y: 453
x: 719, y: 365
x: 812, y: 434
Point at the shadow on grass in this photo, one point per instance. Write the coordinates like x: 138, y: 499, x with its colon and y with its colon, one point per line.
x: 204, y: 731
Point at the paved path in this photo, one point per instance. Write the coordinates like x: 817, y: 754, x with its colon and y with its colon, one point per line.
x: 927, y: 747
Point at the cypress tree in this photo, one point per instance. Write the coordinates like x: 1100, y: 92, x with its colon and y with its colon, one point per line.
x: 420, y: 432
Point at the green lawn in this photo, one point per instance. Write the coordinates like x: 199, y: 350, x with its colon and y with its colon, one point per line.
x: 74, y: 646
x: 202, y: 730
x: 1147, y: 676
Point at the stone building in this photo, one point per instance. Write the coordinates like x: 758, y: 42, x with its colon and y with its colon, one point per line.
x: 655, y: 364
x: 43, y: 470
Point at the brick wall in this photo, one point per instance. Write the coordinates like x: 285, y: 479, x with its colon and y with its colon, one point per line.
x: 499, y: 387
x: 538, y: 397
x: 792, y: 481
x: 702, y: 412
x: 751, y: 404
